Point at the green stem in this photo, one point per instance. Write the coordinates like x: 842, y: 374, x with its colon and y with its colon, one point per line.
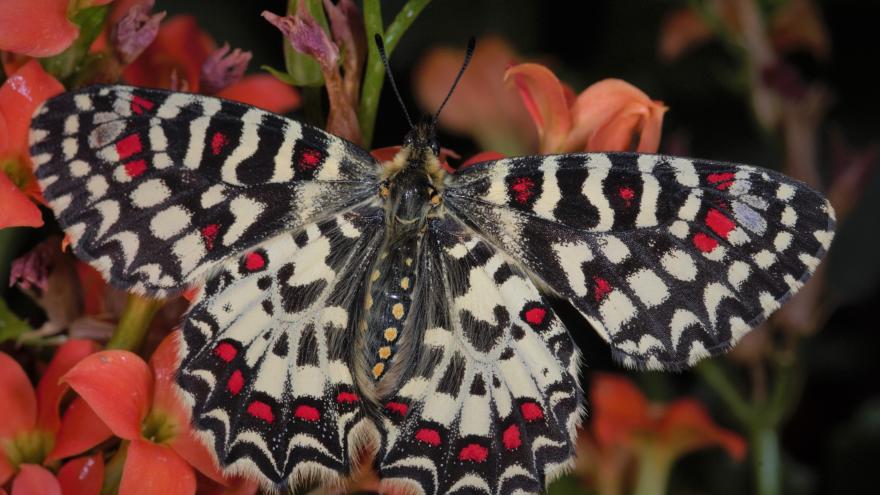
x: 766, y: 459
x: 374, y: 73
x: 113, y: 470
x: 134, y: 322
x: 715, y: 376
x: 653, y: 472
x: 312, y: 105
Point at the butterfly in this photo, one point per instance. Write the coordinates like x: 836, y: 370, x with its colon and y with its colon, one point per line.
x: 350, y: 305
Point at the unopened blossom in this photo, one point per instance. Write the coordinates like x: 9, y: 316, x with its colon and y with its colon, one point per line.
x: 134, y: 32
x: 223, y: 68
x: 306, y: 35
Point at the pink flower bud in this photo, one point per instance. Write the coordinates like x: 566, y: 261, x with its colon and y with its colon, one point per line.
x: 223, y: 68
x: 135, y: 31
x: 307, y: 36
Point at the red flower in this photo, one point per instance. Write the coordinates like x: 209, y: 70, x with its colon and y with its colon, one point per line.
x: 626, y: 428
x: 20, y: 95
x: 604, y: 117
x: 31, y: 429
x: 38, y: 28
x: 177, y: 57
x: 138, y: 403
x: 482, y: 107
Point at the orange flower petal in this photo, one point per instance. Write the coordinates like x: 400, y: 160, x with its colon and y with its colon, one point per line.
x: 601, y: 104
x: 50, y: 389
x: 545, y: 99
x: 118, y: 386
x: 264, y: 91
x: 617, y: 134
x: 385, y: 154
x: 19, y: 402
x: 686, y: 426
x: 680, y: 31
x: 93, y: 285
x: 33, y: 479
x: 179, y: 50
x: 194, y: 452
x: 6, y: 469
x: 20, y: 95
x: 18, y: 210
x: 164, y: 363
x: 483, y: 156
x: 81, y: 429
x: 38, y: 28
x: 151, y: 468
x: 82, y: 476
x: 619, y: 408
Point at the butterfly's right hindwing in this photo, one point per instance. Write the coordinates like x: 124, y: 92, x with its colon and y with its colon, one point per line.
x: 155, y: 187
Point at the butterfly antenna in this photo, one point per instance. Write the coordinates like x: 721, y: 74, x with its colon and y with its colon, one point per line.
x: 381, y: 46
x: 467, y: 59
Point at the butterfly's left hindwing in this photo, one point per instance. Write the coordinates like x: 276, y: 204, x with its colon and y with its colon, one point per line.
x: 669, y: 259
x: 154, y: 187
x: 266, y: 354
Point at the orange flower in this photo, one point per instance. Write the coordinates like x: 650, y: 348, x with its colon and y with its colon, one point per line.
x: 176, y: 58
x: 138, y: 403
x: 626, y: 427
x: 20, y: 95
x: 607, y: 116
x: 482, y: 106
x: 38, y: 28
x: 31, y: 429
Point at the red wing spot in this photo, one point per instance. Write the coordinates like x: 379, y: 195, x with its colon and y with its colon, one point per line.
x: 218, y: 141
x: 307, y: 413
x: 309, y: 159
x: 721, y: 181
x: 397, y: 407
x: 347, y: 398
x: 719, y: 223
x: 135, y: 168
x: 511, y: 438
x: 626, y: 194
x: 523, y: 189
x: 209, y: 233
x: 474, y: 452
x: 261, y: 410
x: 128, y: 146
x: 704, y: 243
x: 254, y: 261
x: 536, y: 316
x: 531, y: 411
x: 601, y: 288
x: 225, y: 351
x: 428, y: 436
x: 138, y: 105
x: 235, y: 383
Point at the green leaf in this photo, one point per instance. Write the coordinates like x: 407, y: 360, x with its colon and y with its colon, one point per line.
x: 11, y: 326
x: 67, y: 63
x: 303, y: 70
x: 280, y: 75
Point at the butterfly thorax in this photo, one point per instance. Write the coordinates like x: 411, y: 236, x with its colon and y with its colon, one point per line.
x: 410, y: 194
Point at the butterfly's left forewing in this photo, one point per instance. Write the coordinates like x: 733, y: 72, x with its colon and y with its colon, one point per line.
x: 669, y: 259
x: 155, y: 187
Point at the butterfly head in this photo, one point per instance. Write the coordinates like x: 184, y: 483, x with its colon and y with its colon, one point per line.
x: 421, y: 141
